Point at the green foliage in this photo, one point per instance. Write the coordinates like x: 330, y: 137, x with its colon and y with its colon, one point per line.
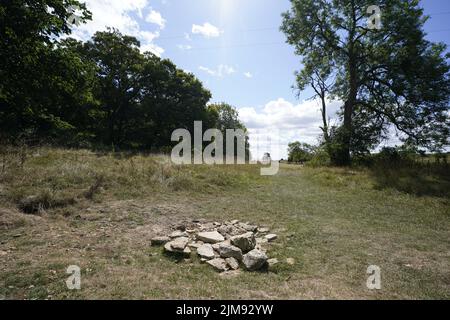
x: 223, y: 116
x: 300, y: 152
x: 36, y: 77
x: 392, y: 77
x: 103, y: 93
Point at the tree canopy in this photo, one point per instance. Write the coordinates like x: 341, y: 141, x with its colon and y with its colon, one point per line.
x: 386, y: 77
x: 100, y: 93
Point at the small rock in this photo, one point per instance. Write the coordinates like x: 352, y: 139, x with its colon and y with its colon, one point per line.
x: 233, y: 263
x: 219, y: 264
x: 210, y: 237
x: 234, y: 221
x: 207, y: 227
x: 254, y: 260
x: 261, y: 240
x: 245, y: 242
x: 179, y: 243
x: 159, y: 241
x: 271, y: 237
x: 168, y: 247
x: 290, y: 261
x: 272, y: 262
x: 194, y: 245
x: 228, y: 251
x: 247, y: 227
x: 227, y: 230
x: 177, y: 234
x: 206, y: 251
x: 263, y: 230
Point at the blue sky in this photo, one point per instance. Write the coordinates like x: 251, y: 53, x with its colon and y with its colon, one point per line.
x: 236, y: 49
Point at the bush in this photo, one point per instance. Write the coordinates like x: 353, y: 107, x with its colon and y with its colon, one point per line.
x: 320, y: 158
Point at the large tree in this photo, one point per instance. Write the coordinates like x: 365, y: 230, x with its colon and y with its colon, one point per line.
x: 119, y: 64
x: 387, y: 76
x: 171, y: 99
x: 35, y: 74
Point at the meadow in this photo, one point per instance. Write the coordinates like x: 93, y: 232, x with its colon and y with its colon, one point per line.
x: 100, y: 210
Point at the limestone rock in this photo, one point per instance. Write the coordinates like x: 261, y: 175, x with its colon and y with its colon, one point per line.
x: 195, y: 245
x: 271, y: 237
x: 290, y: 261
x: 177, y: 234
x: 159, y: 241
x: 229, y: 251
x: 179, y: 243
x: 230, y: 230
x: 263, y: 230
x: 206, y: 251
x: 168, y: 248
x: 233, y: 263
x: 261, y: 240
x: 254, y: 260
x: 245, y: 242
x: 247, y: 227
x: 219, y: 264
x: 210, y: 237
x: 272, y: 262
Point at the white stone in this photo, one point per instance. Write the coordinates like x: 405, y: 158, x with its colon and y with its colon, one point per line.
x: 272, y: 262
x: 178, y: 233
x: 245, y: 242
x: 210, y: 237
x: 194, y: 245
x: 263, y: 230
x: 233, y: 263
x: 254, y: 260
x: 290, y: 261
x: 229, y: 251
x: 219, y: 264
x: 158, y: 241
x: 271, y: 237
x: 179, y: 244
x: 206, y: 251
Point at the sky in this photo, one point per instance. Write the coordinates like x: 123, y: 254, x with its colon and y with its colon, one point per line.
x: 236, y: 49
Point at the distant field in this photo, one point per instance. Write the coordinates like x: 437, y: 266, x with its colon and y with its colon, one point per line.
x: 99, y: 211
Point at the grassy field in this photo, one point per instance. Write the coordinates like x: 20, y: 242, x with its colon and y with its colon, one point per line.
x: 99, y: 211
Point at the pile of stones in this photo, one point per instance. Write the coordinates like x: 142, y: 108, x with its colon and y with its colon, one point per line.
x: 224, y: 246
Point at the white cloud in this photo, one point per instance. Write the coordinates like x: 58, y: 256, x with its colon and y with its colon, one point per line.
x: 221, y: 70
x: 118, y: 14
x: 153, y: 48
x: 283, y: 122
x: 248, y: 75
x: 184, y: 47
x: 156, y: 18
x: 207, y: 30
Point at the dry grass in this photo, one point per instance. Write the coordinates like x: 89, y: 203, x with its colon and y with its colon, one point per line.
x: 333, y: 222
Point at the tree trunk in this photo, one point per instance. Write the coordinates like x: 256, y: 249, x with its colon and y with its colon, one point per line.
x: 325, y: 129
x: 347, y: 129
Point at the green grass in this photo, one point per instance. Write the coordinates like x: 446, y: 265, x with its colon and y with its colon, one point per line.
x: 333, y: 222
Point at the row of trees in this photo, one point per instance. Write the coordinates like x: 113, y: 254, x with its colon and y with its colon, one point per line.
x: 388, y: 76
x: 103, y: 92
